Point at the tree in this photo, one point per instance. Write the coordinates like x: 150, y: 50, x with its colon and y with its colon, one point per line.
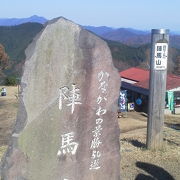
x: 4, y: 59
x: 177, y: 66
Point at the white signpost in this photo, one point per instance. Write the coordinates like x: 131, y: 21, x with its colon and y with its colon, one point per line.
x: 160, y: 56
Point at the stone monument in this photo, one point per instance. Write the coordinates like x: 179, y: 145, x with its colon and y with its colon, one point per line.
x: 67, y: 126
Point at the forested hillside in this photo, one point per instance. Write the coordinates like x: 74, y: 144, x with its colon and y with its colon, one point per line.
x: 126, y: 56
x: 15, y: 40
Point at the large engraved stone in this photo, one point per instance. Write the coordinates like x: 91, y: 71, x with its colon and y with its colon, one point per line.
x: 66, y: 127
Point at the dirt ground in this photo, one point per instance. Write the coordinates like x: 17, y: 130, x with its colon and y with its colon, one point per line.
x: 8, y: 111
x: 137, y: 163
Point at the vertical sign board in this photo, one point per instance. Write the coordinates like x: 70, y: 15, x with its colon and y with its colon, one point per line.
x: 123, y: 100
x: 161, y: 54
x: 157, y: 87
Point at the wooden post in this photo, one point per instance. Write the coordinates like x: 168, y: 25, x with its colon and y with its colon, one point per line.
x: 157, y: 87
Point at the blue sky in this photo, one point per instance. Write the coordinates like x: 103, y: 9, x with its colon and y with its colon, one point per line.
x: 139, y: 14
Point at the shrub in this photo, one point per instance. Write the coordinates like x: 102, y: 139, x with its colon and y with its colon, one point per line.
x: 11, y: 81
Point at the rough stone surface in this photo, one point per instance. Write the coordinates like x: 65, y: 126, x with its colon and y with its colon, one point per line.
x: 64, y: 54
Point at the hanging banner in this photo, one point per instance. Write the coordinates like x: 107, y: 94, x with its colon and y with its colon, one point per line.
x: 171, y: 100
x: 161, y: 55
x: 123, y: 101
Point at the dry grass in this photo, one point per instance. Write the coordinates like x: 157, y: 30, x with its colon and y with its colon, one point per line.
x: 2, y: 150
x: 138, y: 163
x: 8, y: 111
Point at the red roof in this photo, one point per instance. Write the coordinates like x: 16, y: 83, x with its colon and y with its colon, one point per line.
x: 135, y: 74
x: 141, y: 76
x: 172, y: 82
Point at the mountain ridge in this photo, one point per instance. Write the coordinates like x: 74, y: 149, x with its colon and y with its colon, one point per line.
x: 18, y: 21
x: 130, y: 36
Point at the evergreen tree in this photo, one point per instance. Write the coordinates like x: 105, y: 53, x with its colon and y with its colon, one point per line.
x: 3, y: 58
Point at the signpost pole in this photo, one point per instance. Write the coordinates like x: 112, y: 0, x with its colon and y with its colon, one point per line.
x: 157, y: 86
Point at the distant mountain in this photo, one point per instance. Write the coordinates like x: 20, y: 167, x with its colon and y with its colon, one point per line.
x: 101, y: 30
x: 130, y: 37
x: 175, y: 32
x: 18, y: 21
x: 175, y: 41
x: 135, y: 31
